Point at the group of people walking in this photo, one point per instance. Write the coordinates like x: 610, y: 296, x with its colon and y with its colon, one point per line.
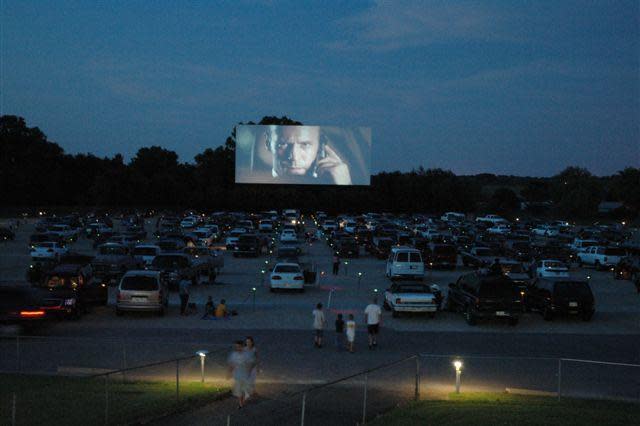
x: 347, y: 329
x: 243, y: 368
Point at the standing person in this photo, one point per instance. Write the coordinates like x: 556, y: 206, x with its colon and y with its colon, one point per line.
x: 339, y: 332
x: 239, y: 368
x: 336, y: 263
x: 184, y: 295
x: 372, y: 314
x: 351, y: 332
x: 318, y: 325
x: 252, y: 355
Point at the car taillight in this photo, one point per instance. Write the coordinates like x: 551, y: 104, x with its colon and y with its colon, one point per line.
x: 276, y: 277
x: 31, y: 314
x: 477, y: 301
x: 398, y: 300
x: 298, y: 278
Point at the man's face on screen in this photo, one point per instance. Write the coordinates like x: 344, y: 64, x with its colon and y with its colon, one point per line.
x: 296, y: 150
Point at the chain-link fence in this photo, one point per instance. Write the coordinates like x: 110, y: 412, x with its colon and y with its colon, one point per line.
x: 77, y: 395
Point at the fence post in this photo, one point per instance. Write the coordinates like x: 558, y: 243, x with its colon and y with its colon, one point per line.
x: 13, y: 410
x: 18, y: 353
x: 124, y: 361
x: 364, y: 402
x: 417, y: 389
x: 228, y: 419
x: 106, y: 400
x: 559, y: 377
x: 177, y: 381
x: 304, y: 406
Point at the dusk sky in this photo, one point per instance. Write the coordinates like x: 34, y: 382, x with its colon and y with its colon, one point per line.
x: 505, y: 87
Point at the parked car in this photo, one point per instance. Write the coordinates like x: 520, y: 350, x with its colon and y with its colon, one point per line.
x: 69, y: 289
x: 478, y: 257
x: 381, y: 247
x: 180, y: 266
x: 348, y: 247
x: 48, y: 250
x: 482, y: 296
x: 412, y: 297
x: 146, y: 252
x: 553, y: 297
x: 441, y: 256
x: 287, y: 276
x: 288, y: 236
x: 232, y: 237
x: 405, y: 262
x: 213, y: 258
x: 142, y: 291
x: 551, y: 268
x: 601, y: 257
x: 247, y: 245
x: 20, y: 306
x: 113, y: 260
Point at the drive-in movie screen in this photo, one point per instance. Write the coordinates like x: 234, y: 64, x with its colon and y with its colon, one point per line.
x: 308, y: 155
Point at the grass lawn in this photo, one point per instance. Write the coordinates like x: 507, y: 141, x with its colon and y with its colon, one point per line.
x: 46, y: 400
x: 480, y: 409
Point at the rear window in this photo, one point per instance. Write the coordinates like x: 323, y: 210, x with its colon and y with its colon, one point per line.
x: 572, y: 288
x: 286, y: 269
x: 554, y: 265
x: 614, y: 251
x: 497, y: 288
x: 403, y: 256
x: 412, y: 289
x: 415, y: 258
x: 144, y: 251
x: 174, y: 262
x: 139, y: 283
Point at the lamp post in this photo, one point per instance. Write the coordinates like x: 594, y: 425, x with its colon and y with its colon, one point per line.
x: 253, y: 290
x: 458, y: 365
x: 346, y: 267
x: 202, y: 354
x: 359, y: 279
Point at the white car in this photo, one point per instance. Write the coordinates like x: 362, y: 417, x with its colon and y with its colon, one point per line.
x: 350, y: 227
x: 329, y: 225
x: 286, y: 276
x: 499, y: 228
x: 146, y: 252
x: 48, y: 250
x: 412, y: 297
x: 265, y: 225
x: 551, y: 269
x: 546, y: 231
x: 288, y: 236
x: 204, y: 235
x: 601, y: 257
x: 492, y: 218
x: 63, y: 231
x: 188, y: 222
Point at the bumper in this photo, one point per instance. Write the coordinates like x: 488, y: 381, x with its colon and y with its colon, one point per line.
x: 415, y: 308
x: 139, y: 307
x: 295, y: 285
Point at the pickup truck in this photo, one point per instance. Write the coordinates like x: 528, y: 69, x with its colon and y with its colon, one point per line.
x: 114, y: 260
x: 478, y: 257
x: 214, y: 258
x: 247, y: 245
x: 292, y: 254
x: 180, y: 266
x: 412, y: 297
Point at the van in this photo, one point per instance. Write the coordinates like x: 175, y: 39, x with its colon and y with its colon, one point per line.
x: 142, y: 291
x: 405, y: 262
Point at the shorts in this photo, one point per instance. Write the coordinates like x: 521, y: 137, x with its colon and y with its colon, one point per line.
x: 373, y: 328
x: 319, y: 332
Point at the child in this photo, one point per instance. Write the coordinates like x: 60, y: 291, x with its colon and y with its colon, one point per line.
x: 339, y: 332
x: 209, y: 309
x: 351, y: 332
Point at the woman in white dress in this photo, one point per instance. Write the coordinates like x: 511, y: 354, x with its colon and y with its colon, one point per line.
x: 252, y: 359
x: 239, y: 369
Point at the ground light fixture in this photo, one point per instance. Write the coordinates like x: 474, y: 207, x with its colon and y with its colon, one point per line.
x: 359, y: 279
x: 458, y: 366
x: 202, y: 354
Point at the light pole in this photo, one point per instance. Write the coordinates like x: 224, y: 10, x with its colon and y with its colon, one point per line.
x: 359, y: 279
x: 458, y: 365
x: 346, y: 267
x: 202, y: 354
x: 253, y: 290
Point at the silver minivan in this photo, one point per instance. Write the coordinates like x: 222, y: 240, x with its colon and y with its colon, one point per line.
x: 405, y: 262
x: 142, y: 291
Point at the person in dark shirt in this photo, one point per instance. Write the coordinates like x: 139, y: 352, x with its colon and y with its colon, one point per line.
x: 339, y: 332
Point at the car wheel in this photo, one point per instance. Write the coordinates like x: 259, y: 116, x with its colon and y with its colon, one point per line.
x: 597, y: 265
x: 469, y: 317
x: 547, y: 314
x: 394, y: 313
x: 272, y: 290
x: 161, y: 312
x: 580, y: 263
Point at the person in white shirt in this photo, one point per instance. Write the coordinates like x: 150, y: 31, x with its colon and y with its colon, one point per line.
x: 372, y: 314
x: 318, y: 325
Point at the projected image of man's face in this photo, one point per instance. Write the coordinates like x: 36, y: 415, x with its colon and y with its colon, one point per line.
x: 296, y: 150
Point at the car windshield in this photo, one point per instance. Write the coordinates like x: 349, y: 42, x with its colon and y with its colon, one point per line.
x: 554, y: 265
x: 513, y: 268
x: 139, y: 283
x: 572, y: 288
x: 286, y: 269
x: 144, y: 251
x: 173, y: 262
x: 412, y: 289
x: 614, y: 251
x: 44, y: 245
x: 113, y: 250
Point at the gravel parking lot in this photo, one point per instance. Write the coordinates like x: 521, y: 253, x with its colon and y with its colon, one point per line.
x: 617, y: 303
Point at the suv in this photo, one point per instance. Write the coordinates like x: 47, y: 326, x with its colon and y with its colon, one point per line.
x: 480, y: 295
x: 247, y: 245
x: 561, y: 296
x: 20, y: 306
x: 142, y: 291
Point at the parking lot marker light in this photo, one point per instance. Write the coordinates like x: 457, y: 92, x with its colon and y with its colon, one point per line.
x: 359, y: 278
x: 202, y: 354
x: 346, y: 267
x: 458, y: 365
x: 253, y: 290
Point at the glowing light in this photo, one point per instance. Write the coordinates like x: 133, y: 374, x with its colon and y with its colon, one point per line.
x: 457, y: 364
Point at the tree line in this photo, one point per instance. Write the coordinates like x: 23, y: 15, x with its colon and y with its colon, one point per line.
x: 35, y: 172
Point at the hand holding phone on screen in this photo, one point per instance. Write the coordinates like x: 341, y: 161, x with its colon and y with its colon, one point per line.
x: 331, y: 164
